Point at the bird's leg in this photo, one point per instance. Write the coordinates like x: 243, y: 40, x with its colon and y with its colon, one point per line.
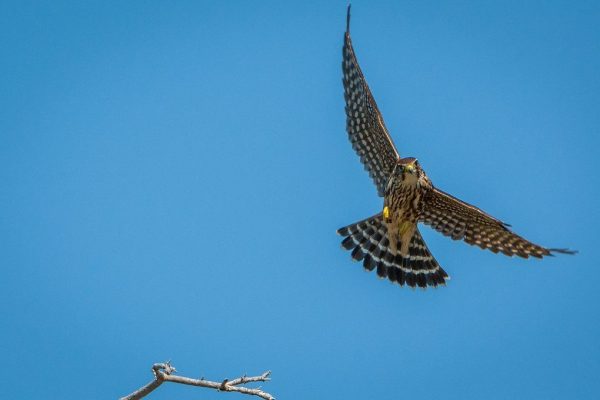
x: 406, y: 230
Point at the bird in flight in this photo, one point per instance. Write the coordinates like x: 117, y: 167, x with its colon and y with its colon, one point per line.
x: 389, y: 242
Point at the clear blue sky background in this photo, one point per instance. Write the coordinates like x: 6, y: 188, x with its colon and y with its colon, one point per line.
x: 173, y: 175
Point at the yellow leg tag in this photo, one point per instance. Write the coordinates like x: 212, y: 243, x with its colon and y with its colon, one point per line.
x: 386, y: 212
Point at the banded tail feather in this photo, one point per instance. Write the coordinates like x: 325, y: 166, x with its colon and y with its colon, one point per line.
x: 369, y: 243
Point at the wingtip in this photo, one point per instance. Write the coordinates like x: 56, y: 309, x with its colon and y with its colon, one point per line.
x: 564, y: 251
x: 348, y: 18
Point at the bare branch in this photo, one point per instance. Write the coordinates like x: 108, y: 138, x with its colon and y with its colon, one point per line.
x: 163, y: 372
x: 245, y: 379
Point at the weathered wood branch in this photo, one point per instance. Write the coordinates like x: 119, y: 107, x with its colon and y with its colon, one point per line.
x: 163, y: 372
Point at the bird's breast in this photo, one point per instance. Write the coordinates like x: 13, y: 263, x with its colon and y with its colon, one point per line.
x: 403, y: 204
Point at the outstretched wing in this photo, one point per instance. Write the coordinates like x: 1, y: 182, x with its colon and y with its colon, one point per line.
x: 364, y: 123
x: 459, y: 220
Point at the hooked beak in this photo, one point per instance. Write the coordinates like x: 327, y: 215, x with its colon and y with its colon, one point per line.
x: 410, y: 168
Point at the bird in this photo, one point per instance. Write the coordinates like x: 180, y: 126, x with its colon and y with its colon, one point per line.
x: 389, y: 241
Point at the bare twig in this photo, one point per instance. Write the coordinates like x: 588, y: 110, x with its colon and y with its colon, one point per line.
x: 245, y: 379
x: 163, y: 372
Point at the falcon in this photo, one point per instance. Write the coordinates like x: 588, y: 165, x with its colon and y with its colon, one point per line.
x: 389, y: 242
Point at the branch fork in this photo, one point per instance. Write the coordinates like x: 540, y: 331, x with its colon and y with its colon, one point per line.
x: 163, y: 372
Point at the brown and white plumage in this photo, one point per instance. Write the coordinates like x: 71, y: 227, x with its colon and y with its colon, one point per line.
x: 390, y: 242
x: 369, y: 241
x: 459, y: 220
x: 364, y: 123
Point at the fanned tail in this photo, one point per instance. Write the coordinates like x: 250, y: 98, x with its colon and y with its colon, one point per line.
x: 369, y: 242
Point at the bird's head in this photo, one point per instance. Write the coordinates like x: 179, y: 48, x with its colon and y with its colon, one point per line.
x: 409, y: 171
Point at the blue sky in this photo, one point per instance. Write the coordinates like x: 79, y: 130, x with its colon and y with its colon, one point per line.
x: 174, y: 173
